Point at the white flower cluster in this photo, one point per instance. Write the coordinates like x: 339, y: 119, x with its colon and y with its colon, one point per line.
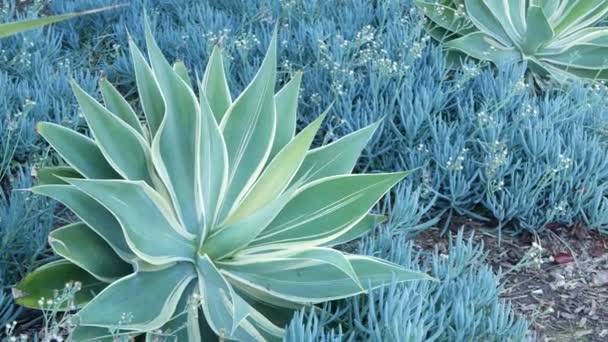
x: 455, y: 164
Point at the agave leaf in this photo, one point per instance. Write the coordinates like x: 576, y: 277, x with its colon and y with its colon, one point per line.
x: 278, y: 174
x: 182, y: 71
x: 552, y: 9
x: 337, y: 158
x: 483, y: 18
x: 315, y: 281
x: 178, y: 325
x: 499, y: 8
x: 148, y: 91
x: 539, y: 30
x: 215, y: 85
x: 320, y: 254
x: 85, y: 248
x: 117, y: 104
x: 212, y: 164
x: 481, y: 46
x: 517, y: 15
x: 248, y: 127
x: 580, y: 14
x: 53, y: 175
x: 78, y: 150
x: 124, y: 148
x: 326, y: 209
x: 590, y: 35
x: 152, y: 231
x: 9, y: 29
x: 445, y: 16
x: 146, y: 310
x: 46, y: 280
x: 440, y: 34
x: 264, y: 326
x: 584, y: 56
x: 360, y: 229
x: 193, y: 328
x: 90, y: 212
x: 564, y: 72
x: 176, y: 166
x: 286, y: 101
x: 229, y: 239
x: 219, y: 300
x: 97, y: 334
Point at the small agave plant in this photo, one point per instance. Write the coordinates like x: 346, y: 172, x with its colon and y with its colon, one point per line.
x: 212, y: 218
x: 557, y: 38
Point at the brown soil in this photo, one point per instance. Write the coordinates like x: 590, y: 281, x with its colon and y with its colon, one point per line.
x: 566, y: 297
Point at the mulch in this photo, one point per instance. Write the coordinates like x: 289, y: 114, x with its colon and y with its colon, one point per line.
x: 565, y: 298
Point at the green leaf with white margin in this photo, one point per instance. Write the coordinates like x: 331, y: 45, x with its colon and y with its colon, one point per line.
x: 182, y: 71
x: 483, y: 18
x: 94, y: 334
x: 325, y: 209
x: 360, y: 229
x: 85, y: 248
x: 249, y: 127
x: 539, y: 30
x: 192, y: 326
x: 481, y: 46
x: 215, y: 85
x: 147, y: 89
x: 583, y: 56
x: 229, y: 239
x: 81, y: 152
x: 226, y: 313
x: 117, y: 104
x: 179, y: 128
x: 264, y: 326
x: 286, y: 102
x: 590, y: 35
x: 337, y: 158
x: 218, y: 297
x: 318, y: 254
x: 580, y: 14
x: 561, y: 72
x: 499, y: 9
x: 177, y: 326
x: 46, y: 280
x: 152, y: 231
x: 90, y: 212
x: 278, y: 174
x: 147, y: 307
x: 212, y: 162
x: 552, y: 9
x: 53, y: 174
x: 316, y: 281
x: 124, y: 148
x: 12, y: 28
x: 517, y: 15
x: 444, y: 15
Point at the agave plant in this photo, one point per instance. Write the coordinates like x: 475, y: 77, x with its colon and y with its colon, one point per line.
x: 209, y: 218
x: 558, y: 38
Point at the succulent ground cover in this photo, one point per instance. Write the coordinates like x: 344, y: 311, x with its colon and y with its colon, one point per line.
x: 486, y: 145
x: 558, y: 280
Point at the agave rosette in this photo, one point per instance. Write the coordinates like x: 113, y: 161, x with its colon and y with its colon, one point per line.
x: 560, y: 38
x: 207, y: 198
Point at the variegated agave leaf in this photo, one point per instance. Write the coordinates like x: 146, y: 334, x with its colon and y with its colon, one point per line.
x: 12, y: 28
x: 212, y: 214
x: 560, y: 38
